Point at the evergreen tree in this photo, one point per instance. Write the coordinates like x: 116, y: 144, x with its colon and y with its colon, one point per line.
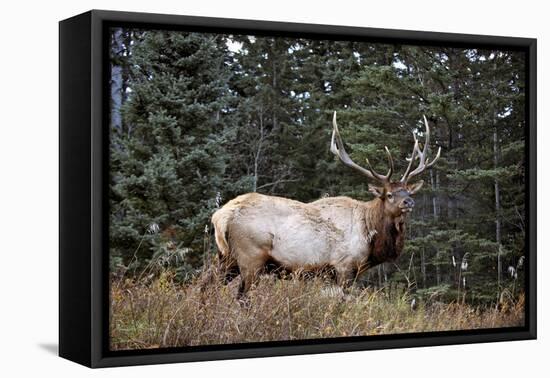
x: 168, y: 167
x: 206, y: 118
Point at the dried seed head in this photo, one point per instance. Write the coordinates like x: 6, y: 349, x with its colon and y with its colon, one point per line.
x: 153, y: 228
x: 520, y: 262
x: 464, y: 264
x: 218, y: 199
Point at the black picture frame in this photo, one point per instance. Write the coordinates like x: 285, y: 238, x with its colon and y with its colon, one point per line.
x: 83, y: 167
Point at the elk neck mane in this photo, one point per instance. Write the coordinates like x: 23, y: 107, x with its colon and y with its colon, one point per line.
x: 388, y: 233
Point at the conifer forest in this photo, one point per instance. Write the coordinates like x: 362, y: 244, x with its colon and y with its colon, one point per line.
x: 197, y: 119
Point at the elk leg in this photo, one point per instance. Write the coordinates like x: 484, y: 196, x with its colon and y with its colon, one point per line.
x: 244, y: 287
x: 248, y: 277
x: 230, y: 273
x: 344, y: 277
x: 229, y: 269
x: 250, y: 268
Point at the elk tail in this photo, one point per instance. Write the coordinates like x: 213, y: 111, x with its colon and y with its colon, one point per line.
x: 227, y: 262
x: 220, y: 220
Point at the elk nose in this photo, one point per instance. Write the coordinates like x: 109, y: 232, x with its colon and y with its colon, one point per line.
x: 409, y: 202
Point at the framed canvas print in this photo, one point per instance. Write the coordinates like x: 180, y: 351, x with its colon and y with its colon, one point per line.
x: 234, y: 188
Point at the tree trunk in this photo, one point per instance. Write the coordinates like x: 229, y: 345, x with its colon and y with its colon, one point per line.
x: 258, y: 153
x: 434, y: 196
x: 117, y: 82
x: 437, y: 186
x: 423, y: 268
x: 433, y: 181
x: 274, y: 84
x: 497, y: 207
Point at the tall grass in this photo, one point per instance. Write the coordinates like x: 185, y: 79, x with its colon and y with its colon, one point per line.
x: 161, y: 312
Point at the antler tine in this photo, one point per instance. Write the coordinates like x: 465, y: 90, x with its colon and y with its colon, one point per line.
x: 390, y: 162
x: 422, y: 155
x: 337, y: 148
x: 413, y: 156
x: 435, y: 159
x: 390, y: 170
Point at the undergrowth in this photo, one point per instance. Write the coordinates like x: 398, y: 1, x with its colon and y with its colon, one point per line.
x: 162, y: 312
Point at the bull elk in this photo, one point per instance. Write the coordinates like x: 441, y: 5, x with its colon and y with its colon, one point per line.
x: 254, y: 230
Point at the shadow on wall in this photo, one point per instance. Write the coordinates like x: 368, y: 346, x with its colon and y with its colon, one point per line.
x: 52, y: 348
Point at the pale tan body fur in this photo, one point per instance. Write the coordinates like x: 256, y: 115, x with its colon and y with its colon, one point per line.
x: 254, y: 228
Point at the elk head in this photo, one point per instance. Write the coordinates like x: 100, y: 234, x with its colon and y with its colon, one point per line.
x: 395, y: 195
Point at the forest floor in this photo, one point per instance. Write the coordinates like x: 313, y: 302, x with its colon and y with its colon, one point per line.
x: 164, y: 313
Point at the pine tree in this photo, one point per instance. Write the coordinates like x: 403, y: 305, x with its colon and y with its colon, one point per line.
x: 169, y: 165
x: 208, y: 117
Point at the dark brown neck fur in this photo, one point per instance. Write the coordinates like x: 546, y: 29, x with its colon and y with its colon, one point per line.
x: 389, y: 239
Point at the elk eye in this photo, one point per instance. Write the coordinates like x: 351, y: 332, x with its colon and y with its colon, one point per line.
x: 389, y: 195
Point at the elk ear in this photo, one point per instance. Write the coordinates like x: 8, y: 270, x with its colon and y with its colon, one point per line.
x: 378, y: 192
x: 413, y: 188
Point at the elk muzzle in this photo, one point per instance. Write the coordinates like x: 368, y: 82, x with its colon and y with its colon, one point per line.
x: 407, y: 205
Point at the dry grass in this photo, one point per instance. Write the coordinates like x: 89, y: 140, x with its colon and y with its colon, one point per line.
x: 163, y: 313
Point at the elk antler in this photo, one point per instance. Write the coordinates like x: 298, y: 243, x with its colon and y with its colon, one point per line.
x: 337, y: 148
x: 422, y: 155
